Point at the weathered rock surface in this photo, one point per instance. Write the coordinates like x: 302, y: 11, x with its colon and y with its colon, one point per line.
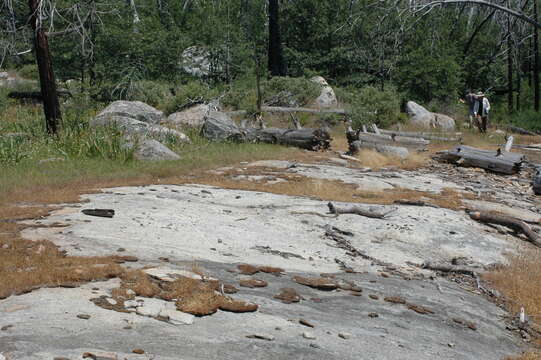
x: 422, y: 118
x: 195, y: 61
x: 152, y: 150
x: 327, y: 97
x: 192, y: 117
x: 132, y: 109
x: 218, y: 126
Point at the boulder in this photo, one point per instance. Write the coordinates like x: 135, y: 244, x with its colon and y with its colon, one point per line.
x: 422, y: 118
x: 152, y: 150
x: 193, y: 116
x: 218, y: 126
x: 3, y: 75
x: 133, y: 109
x: 327, y: 97
x: 130, y: 126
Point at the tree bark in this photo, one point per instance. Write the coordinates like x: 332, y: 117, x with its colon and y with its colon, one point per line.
x: 51, y: 105
x: 496, y: 161
x: 510, y: 222
x: 509, y: 66
x: 536, y: 60
x: 276, y: 58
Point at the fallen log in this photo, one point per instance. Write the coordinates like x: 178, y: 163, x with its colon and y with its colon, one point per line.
x: 421, y: 135
x: 219, y: 127
x: 396, y: 151
x: 107, y: 213
x: 521, y: 131
x: 35, y: 95
x: 448, y: 268
x: 497, y: 161
x: 510, y: 222
x: 386, y: 139
x: 357, y: 211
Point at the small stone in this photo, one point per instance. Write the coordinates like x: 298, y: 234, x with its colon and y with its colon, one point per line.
x: 138, y: 351
x: 120, y: 249
x: 306, y: 323
x: 83, y: 316
x: 57, y: 358
x: 373, y: 297
x: 344, y: 335
x: 261, y: 337
x: 373, y: 315
x: 130, y: 292
x: 451, y: 345
x: 315, y: 346
x: 278, y: 328
x: 308, y: 335
x: 111, y: 301
x: 6, y: 327
x: 127, y: 327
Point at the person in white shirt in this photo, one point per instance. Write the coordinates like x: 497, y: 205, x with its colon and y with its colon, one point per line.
x: 481, y: 110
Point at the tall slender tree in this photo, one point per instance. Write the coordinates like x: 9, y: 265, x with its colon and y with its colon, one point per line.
x: 276, y: 59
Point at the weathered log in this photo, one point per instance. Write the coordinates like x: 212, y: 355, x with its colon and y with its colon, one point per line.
x: 496, y: 161
x: 521, y: 131
x: 357, y: 211
x: 421, y: 135
x: 387, y: 139
x: 449, y: 268
x: 219, y: 127
x: 34, y: 95
x: 107, y: 213
x: 510, y: 222
x: 396, y: 151
x: 508, y: 144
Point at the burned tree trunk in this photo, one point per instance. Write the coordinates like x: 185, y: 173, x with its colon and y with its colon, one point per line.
x: 51, y: 106
x: 276, y: 58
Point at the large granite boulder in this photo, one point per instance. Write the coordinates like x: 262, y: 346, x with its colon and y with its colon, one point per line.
x: 327, y: 97
x: 192, y: 117
x: 133, y: 109
x: 422, y: 118
x: 135, y: 118
x: 219, y: 126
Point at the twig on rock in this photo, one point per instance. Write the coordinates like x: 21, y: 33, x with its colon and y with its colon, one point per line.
x: 357, y: 211
x: 510, y: 222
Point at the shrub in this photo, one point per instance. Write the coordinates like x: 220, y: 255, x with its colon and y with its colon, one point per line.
x: 190, y: 93
x: 528, y: 119
x: 154, y: 93
x: 28, y: 71
x: 371, y: 105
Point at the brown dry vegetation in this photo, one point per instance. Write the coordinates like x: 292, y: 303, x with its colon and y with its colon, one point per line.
x: 197, y: 297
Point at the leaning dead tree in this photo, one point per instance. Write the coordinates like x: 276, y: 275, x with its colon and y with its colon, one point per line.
x: 49, y: 96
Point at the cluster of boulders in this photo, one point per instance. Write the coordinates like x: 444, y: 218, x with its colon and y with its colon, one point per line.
x: 140, y: 124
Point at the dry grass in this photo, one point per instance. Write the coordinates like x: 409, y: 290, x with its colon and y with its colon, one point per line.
x: 520, y: 282
x: 197, y: 297
x: 526, y: 356
x: 376, y: 160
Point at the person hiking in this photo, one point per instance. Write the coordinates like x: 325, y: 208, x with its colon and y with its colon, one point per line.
x: 470, y: 99
x: 481, y: 110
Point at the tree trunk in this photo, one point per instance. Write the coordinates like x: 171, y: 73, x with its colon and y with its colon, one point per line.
x: 276, y: 59
x: 495, y: 161
x: 51, y: 106
x: 536, y: 60
x: 509, y: 66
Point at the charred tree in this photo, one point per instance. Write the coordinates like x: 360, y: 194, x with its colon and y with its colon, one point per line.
x: 536, y: 60
x: 51, y: 106
x: 276, y: 59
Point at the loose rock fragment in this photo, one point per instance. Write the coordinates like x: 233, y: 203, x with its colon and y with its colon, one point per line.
x: 344, y: 335
x: 83, y: 316
x: 468, y: 324
x: 308, y: 335
x: 138, y: 351
x: 373, y: 297
x: 373, y: 315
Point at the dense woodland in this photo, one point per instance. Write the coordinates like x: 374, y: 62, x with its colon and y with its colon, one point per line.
x: 382, y: 52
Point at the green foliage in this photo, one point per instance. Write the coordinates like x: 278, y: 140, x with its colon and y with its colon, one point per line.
x: 28, y: 71
x: 371, y: 105
x: 529, y: 119
x: 302, y: 90
x: 3, y: 99
x: 190, y: 93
